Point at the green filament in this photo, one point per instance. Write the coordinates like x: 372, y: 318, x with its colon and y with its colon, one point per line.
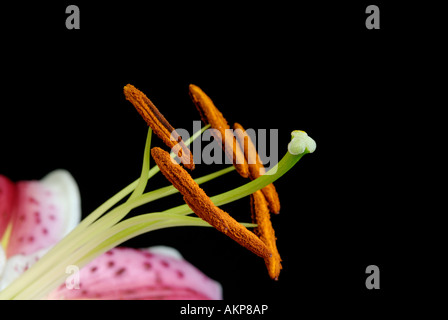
x: 99, y: 232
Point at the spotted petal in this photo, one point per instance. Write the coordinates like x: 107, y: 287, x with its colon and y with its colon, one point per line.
x: 125, y: 273
x: 7, y: 193
x: 45, y: 211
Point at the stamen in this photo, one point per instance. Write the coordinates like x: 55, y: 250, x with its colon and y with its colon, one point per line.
x: 159, y: 124
x: 211, y: 115
x: 261, y: 216
x: 256, y: 167
x: 201, y: 204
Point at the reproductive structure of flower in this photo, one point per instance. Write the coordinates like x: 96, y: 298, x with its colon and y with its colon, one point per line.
x: 42, y: 235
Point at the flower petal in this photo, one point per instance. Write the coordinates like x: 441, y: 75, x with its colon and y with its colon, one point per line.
x: 17, y: 265
x: 2, y: 261
x: 45, y: 212
x: 126, y: 273
x: 7, y: 194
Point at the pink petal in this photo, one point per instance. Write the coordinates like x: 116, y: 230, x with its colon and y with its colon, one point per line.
x: 7, y: 194
x: 2, y: 262
x: 125, y: 273
x: 44, y: 212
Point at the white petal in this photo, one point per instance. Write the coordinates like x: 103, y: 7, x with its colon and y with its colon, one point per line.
x: 18, y: 264
x: 166, y: 251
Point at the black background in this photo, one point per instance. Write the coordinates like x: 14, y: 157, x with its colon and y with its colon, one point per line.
x: 280, y: 65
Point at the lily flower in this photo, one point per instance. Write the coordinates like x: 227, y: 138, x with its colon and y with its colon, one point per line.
x: 42, y: 239
x: 35, y: 215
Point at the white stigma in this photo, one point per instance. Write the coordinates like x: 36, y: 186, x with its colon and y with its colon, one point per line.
x: 300, y: 141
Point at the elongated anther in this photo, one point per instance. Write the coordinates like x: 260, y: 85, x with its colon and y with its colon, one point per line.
x: 160, y: 126
x: 261, y: 216
x: 211, y: 115
x: 256, y: 167
x: 203, y: 207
